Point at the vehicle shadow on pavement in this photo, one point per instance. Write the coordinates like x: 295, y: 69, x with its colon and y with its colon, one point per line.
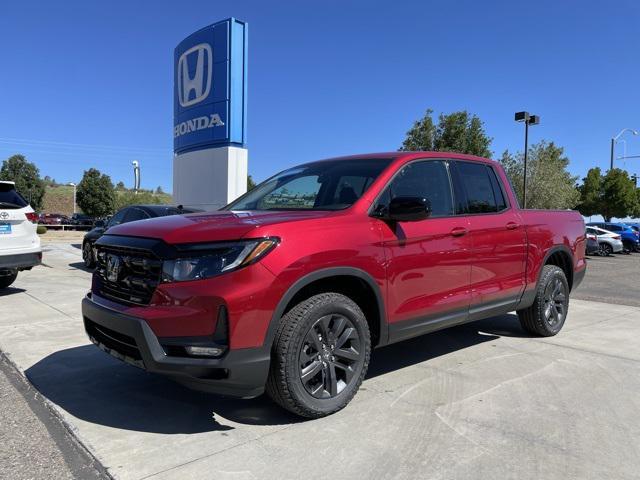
x: 81, y: 266
x: 424, y: 348
x: 96, y: 388
x: 11, y: 291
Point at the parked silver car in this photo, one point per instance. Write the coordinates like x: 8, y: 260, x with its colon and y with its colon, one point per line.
x: 609, y: 242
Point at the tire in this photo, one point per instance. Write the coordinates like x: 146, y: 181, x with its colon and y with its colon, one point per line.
x: 7, y: 280
x: 308, y: 376
x: 548, y: 313
x: 606, y: 249
x: 87, y: 255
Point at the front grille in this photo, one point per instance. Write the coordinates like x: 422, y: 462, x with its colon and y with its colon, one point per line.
x: 127, y: 275
x: 115, y: 343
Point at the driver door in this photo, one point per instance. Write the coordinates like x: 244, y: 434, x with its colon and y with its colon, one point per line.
x: 428, y: 261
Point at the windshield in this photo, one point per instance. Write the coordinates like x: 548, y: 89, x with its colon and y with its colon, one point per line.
x: 327, y: 185
x: 9, y: 198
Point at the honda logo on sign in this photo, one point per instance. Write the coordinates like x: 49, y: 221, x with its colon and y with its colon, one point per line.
x: 200, y: 82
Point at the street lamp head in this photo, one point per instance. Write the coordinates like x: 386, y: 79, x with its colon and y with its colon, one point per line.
x: 522, y: 116
x: 534, y: 120
x: 135, y: 163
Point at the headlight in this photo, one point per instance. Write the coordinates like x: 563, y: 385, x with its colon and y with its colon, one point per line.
x: 206, y: 261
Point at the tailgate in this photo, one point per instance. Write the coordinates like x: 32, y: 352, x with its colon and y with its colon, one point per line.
x: 16, y: 232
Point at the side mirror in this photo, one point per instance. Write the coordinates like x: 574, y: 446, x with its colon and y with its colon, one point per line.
x: 409, y: 209
x: 99, y: 224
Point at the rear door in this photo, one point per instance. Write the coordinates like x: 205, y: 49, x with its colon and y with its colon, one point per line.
x: 498, y: 240
x: 16, y: 231
x: 428, y: 261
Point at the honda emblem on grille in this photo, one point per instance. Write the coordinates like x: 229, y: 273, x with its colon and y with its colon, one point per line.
x: 114, y: 265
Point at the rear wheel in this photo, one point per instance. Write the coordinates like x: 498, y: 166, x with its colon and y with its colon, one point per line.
x: 7, y: 278
x: 320, y: 355
x: 549, y: 310
x: 87, y: 255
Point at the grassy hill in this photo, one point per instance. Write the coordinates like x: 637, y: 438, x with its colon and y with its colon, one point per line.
x: 59, y: 199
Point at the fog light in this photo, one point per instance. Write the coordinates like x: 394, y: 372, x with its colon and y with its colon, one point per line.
x: 204, y: 351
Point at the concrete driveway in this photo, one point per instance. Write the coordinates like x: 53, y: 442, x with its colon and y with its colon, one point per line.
x: 477, y: 401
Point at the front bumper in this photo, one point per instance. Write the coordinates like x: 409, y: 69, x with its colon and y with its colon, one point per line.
x: 238, y: 373
x: 20, y: 261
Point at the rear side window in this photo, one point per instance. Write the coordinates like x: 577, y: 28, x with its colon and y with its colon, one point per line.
x: 9, y: 198
x: 484, y: 194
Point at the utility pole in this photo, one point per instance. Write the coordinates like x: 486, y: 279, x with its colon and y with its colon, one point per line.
x: 528, y: 120
x: 615, y: 139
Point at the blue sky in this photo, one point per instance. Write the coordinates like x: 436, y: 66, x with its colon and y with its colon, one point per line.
x: 90, y: 83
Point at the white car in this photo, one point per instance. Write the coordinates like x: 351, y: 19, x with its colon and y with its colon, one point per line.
x: 19, y: 243
x: 609, y: 242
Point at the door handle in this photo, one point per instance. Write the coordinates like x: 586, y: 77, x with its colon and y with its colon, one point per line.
x: 512, y: 225
x: 459, y: 231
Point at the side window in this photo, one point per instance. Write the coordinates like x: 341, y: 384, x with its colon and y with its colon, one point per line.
x: 428, y: 179
x: 477, y: 184
x: 134, y: 214
x: 118, y: 218
x: 498, y: 193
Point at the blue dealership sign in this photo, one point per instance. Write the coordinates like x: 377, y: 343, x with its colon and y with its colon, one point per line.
x: 210, y: 87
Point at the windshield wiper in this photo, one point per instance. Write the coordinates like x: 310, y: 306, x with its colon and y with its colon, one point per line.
x: 9, y: 204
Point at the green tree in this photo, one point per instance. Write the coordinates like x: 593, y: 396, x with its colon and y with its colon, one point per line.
x: 549, y: 183
x: 611, y: 195
x: 95, y: 194
x: 159, y: 190
x: 456, y: 132
x: 27, y: 177
x: 250, y: 183
x: 120, y: 186
x: 591, y: 193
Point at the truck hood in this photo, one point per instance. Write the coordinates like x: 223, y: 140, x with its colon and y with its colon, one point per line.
x: 209, y: 226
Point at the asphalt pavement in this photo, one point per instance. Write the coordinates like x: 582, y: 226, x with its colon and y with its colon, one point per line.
x: 479, y: 401
x: 613, y: 279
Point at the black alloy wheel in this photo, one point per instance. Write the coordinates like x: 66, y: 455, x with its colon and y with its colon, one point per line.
x: 330, y: 356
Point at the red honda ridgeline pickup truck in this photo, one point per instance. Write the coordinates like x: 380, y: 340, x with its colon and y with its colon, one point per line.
x: 289, y: 288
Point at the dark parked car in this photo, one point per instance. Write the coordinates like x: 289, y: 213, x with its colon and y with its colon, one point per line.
x: 82, y: 220
x: 54, y: 219
x: 125, y: 215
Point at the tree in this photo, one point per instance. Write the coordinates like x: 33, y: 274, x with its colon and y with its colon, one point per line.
x: 95, y: 194
x: 457, y: 132
x: 27, y: 177
x: 591, y: 193
x: 159, y: 190
x: 250, y: 183
x: 611, y: 195
x: 120, y: 186
x: 549, y: 183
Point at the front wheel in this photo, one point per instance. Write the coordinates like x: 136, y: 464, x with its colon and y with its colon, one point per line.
x: 606, y: 249
x: 6, y: 279
x: 548, y: 313
x: 320, y: 355
x: 87, y: 255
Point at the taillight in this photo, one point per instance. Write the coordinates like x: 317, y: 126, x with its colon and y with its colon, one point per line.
x: 32, y: 217
x: 616, y: 237
x: 591, y: 237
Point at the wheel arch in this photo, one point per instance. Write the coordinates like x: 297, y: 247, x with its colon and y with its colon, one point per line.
x: 560, y: 256
x: 343, y: 280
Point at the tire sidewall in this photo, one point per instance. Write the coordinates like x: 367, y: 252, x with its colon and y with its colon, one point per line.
x: 551, y: 273
x: 342, y: 306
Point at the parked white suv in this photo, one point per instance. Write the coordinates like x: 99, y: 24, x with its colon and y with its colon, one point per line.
x: 19, y: 243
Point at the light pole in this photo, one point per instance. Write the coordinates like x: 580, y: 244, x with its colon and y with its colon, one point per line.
x: 528, y: 120
x: 136, y: 175
x: 615, y: 139
x: 71, y: 184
